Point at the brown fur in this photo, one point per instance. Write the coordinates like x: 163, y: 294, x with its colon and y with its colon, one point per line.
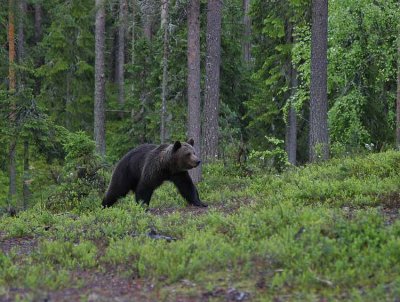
x: 145, y: 168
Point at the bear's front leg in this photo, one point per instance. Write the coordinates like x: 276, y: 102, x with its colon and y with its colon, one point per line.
x: 185, y: 186
x: 143, y: 194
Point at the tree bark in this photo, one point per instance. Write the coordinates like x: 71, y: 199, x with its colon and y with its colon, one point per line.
x: 291, y: 128
x: 319, y: 138
x: 398, y: 95
x: 246, y: 32
x: 120, y: 62
x: 164, y: 27
x: 21, y: 36
x: 133, y: 25
x: 21, y: 55
x: 38, y: 22
x: 26, y: 192
x: 11, y: 47
x: 99, y: 93
x: 211, y: 93
x: 193, y: 81
x: 148, y: 9
x: 12, y: 87
x: 37, y: 38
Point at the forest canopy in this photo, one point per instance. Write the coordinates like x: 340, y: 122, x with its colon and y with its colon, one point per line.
x: 262, y: 56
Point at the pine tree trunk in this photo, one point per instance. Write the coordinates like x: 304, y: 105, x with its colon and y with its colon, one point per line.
x: 194, y: 120
x: 11, y: 49
x: 12, y: 86
x: 21, y: 35
x: 133, y: 25
x: 26, y: 192
x: 398, y: 95
x: 21, y: 55
x: 99, y: 93
x: 319, y: 138
x: 120, y: 79
x: 148, y: 13
x: 164, y: 27
x: 247, y: 31
x: 211, y: 92
x: 37, y: 38
x: 38, y: 22
x: 291, y: 128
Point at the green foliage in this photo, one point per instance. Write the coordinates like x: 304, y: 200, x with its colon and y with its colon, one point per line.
x: 301, y: 61
x: 67, y: 54
x: 275, y: 26
x: 362, y: 70
x: 345, y: 119
x: 80, y: 153
x: 362, y: 57
x: 310, y: 232
x: 274, y: 158
x: 67, y: 254
x: 82, y: 178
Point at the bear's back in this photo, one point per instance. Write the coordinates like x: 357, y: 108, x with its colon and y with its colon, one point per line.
x: 137, y: 155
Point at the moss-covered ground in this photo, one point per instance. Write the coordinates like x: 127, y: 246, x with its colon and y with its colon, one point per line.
x: 324, y: 232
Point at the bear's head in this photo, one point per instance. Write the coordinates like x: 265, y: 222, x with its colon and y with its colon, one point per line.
x: 184, y: 156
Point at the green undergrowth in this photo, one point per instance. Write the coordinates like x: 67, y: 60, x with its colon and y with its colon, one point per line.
x: 355, y: 182
x: 309, y: 233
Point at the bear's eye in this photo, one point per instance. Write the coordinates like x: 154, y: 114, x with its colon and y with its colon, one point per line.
x: 187, y: 154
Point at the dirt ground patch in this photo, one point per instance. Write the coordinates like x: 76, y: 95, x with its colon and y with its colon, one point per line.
x: 95, y: 286
x: 227, y: 208
x: 21, y: 245
x: 390, y: 208
x: 111, y: 286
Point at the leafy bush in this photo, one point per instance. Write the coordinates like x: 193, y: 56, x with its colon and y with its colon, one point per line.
x: 274, y: 158
x: 83, y: 176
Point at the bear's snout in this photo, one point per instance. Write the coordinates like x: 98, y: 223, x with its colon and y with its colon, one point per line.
x: 194, y: 162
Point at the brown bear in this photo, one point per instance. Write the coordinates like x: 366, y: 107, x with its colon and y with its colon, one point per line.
x: 145, y: 168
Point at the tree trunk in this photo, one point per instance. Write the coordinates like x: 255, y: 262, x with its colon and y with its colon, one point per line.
x: 211, y: 93
x: 26, y: 192
x: 291, y: 128
x: 37, y: 38
x: 99, y: 93
x: 148, y: 9
x: 193, y: 81
x: 319, y: 138
x: 11, y: 48
x: 120, y: 62
x: 12, y: 87
x: 133, y: 40
x: 398, y: 94
x: 247, y: 32
x: 21, y: 55
x: 38, y: 22
x: 21, y: 36
x: 165, y: 28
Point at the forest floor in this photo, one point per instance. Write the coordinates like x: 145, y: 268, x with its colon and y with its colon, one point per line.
x: 327, y: 232
x: 111, y: 284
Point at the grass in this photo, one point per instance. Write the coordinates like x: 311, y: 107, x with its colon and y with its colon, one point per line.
x: 314, y: 232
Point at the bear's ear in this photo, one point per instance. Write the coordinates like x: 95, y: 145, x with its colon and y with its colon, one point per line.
x: 191, y: 142
x: 176, y: 146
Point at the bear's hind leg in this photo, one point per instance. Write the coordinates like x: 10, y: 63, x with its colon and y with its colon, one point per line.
x: 113, y: 194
